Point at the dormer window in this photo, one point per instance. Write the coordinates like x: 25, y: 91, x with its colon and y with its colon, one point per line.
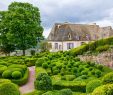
x: 69, y: 36
x: 77, y: 37
x: 87, y: 36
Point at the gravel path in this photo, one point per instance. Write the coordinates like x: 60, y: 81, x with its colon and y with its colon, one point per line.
x: 29, y: 87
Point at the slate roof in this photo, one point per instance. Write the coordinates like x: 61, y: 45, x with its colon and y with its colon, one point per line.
x: 81, y: 32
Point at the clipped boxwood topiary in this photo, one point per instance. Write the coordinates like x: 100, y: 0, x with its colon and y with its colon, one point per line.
x: 2, y: 69
x: 8, y: 88
x: 92, y: 85
x: 100, y: 67
x: 98, y: 73
x: 84, y: 72
x: 39, y: 62
x: 104, y: 90
x: 16, y: 74
x: 108, y: 78
x: 43, y: 82
x: 66, y: 92
x: 7, y: 74
x: 102, y: 48
x: 45, y: 65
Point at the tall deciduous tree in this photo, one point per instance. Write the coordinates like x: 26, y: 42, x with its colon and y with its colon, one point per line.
x: 24, y: 25
x: 6, y: 46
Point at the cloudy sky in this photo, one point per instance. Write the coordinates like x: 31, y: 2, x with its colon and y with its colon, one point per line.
x: 73, y: 11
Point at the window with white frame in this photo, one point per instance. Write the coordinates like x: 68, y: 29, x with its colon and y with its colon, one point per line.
x: 60, y: 47
x: 70, y: 45
x: 56, y: 45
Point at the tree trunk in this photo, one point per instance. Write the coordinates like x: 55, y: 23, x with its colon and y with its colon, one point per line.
x: 23, y: 52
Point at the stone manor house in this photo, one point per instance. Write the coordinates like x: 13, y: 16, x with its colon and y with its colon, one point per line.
x: 65, y: 36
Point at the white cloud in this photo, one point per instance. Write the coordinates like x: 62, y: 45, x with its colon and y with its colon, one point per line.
x: 75, y: 11
x: 46, y: 32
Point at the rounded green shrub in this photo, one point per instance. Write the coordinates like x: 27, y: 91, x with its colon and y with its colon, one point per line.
x: 66, y: 92
x: 100, y: 67
x: 81, y: 68
x: 43, y: 82
x: 69, y: 65
x: 2, y: 69
x: 4, y: 81
x: 93, y: 72
x: 8, y: 88
x: 74, y: 69
x: 92, y: 85
x: 77, y: 59
x: 90, y: 68
x: 84, y: 77
x: 55, y: 72
x: 7, y: 74
x: 23, y: 67
x: 104, y: 90
x: 84, y: 72
x: 102, y: 48
x: 63, y: 77
x: 16, y: 74
x: 45, y: 65
x: 98, y: 73
x: 108, y: 78
x: 70, y: 77
x: 39, y: 62
x: 17, y: 69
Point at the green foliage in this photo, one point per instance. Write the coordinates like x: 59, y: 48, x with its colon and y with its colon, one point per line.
x: 98, y: 73
x: 22, y: 80
x: 45, y: 65
x: 68, y: 77
x: 21, y: 26
x: 39, y: 62
x: 77, y: 86
x: 108, y: 78
x: 7, y: 74
x: 18, y: 66
x: 66, y: 92
x: 32, y: 52
x: 99, y: 45
x: 2, y: 69
x: 100, y: 67
x: 84, y: 72
x: 92, y: 85
x: 104, y: 90
x: 43, y: 82
x: 102, y: 48
x: 45, y: 46
x: 8, y: 88
x: 4, y: 81
x: 16, y: 75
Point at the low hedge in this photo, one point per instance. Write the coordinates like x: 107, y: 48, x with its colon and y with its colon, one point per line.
x: 39, y: 70
x: 104, y: 90
x: 74, y: 86
x: 24, y: 67
x: 2, y: 69
x: 22, y: 80
x: 8, y: 88
x: 92, y: 46
x: 92, y: 85
x: 108, y: 78
x: 4, y: 80
x: 16, y: 75
x: 102, y: 48
x: 7, y: 74
x: 61, y: 92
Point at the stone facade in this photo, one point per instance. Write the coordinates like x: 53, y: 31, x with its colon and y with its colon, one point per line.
x: 65, y: 36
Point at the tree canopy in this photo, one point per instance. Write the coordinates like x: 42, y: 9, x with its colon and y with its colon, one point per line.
x: 21, y: 25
